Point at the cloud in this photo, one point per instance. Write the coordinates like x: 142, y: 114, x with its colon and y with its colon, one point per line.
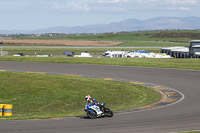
x: 72, y: 6
x: 179, y: 5
x: 112, y: 1
x: 124, y: 6
x: 149, y: 4
x: 178, y: 8
x: 182, y: 2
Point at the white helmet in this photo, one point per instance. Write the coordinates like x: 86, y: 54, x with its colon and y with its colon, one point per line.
x: 87, y: 98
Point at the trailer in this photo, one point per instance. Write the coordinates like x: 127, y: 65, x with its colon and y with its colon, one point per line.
x: 116, y: 54
x: 134, y: 54
x: 180, y: 53
x: 193, y: 51
x: 84, y: 54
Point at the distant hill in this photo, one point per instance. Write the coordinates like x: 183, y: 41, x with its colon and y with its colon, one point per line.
x: 159, y: 23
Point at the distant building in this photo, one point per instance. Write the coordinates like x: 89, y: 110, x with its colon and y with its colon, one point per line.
x: 3, y: 53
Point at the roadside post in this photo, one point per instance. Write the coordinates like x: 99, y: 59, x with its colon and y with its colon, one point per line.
x: 1, y: 43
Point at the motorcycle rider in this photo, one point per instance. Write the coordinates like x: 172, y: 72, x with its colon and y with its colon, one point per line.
x: 103, y: 110
x: 91, y: 100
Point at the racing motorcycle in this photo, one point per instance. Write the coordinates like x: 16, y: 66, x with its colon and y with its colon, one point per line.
x: 94, y: 111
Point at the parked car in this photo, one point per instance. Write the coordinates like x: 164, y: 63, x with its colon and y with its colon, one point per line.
x: 19, y: 54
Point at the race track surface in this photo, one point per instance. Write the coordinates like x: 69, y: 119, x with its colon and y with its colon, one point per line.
x: 182, y: 116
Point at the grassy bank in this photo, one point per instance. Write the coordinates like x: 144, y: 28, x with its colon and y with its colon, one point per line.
x: 175, y: 36
x: 150, y: 44
x: 191, y: 132
x: 143, y: 38
x: 123, y: 44
x: 45, y: 96
x: 144, y: 62
x: 183, y: 36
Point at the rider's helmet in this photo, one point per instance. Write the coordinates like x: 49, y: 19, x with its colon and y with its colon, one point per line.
x: 87, y: 98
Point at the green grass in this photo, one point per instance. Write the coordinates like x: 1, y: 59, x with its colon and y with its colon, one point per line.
x: 150, y: 44
x: 46, y: 96
x: 146, y: 38
x: 140, y: 36
x: 191, y: 132
x: 179, y: 37
x: 144, y: 62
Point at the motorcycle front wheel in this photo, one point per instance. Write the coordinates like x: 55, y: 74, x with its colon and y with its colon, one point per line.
x: 91, y: 114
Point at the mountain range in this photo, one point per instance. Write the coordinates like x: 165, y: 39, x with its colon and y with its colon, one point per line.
x: 159, y: 23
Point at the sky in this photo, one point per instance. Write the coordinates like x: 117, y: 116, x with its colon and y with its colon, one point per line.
x: 39, y: 14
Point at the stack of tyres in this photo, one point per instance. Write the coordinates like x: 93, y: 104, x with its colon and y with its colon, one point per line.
x: 5, y: 110
x: 1, y: 109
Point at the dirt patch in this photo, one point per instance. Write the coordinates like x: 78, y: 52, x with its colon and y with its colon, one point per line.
x: 62, y: 42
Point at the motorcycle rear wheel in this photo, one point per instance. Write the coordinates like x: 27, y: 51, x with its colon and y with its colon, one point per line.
x: 108, y: 112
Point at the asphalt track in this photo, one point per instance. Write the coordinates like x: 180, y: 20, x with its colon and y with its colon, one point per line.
x: 182, y: 116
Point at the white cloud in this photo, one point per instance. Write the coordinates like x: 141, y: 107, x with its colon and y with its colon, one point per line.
x: 123, y: 6
x: 112, y: 1
x: 181, y: 2
x: 72, y: 6
x: 178, y: 8
x: 179, y: 5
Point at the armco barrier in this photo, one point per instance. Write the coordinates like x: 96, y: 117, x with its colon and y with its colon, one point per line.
x: 5, y: 110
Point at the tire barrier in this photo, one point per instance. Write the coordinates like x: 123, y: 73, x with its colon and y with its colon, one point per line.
x: 5, y: 110
x: 1, y: 109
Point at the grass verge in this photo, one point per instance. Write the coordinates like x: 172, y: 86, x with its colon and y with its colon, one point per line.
x: 193, y: 64
x: 191, y: 132
x: 36, y: 96
x: 150, y: 44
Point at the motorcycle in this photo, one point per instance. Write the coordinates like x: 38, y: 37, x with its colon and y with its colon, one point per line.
x: 94, y: 111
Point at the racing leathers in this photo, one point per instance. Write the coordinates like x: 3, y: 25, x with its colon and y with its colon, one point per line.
x: 93, y: 101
